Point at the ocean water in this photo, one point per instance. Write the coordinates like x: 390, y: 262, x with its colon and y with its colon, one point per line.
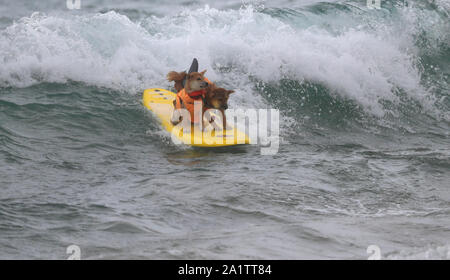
x: 364, y: 155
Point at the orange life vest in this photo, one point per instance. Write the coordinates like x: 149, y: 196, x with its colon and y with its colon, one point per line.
x: 186, y: 100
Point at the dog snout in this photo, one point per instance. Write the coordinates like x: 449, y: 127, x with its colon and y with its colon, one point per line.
x: 225, y: 106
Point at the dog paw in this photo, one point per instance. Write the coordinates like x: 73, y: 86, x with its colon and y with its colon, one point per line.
x: 174, y: 121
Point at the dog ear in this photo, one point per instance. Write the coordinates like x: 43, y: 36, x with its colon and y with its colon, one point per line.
x: 175, y: 76
x: 203, y: 72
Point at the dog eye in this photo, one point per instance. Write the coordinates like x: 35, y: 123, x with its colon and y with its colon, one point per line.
x: 198, y: 79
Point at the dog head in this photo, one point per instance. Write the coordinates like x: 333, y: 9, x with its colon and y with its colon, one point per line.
x: 195, y: 81
x: 217, y: 98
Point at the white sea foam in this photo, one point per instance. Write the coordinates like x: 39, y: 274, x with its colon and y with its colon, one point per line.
x: 109, y: 50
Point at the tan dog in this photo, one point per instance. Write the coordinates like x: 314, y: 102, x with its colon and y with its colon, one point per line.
x: 192, y: 82
x: 195, y: 85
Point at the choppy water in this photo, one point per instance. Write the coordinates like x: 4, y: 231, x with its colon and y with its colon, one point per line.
x: 364, y: 156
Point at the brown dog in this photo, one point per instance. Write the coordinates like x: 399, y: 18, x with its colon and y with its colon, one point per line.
x: 193, y: 81
x: 217, y: 98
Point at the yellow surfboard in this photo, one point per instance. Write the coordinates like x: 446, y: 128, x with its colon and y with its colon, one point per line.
x: 160, y: 102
